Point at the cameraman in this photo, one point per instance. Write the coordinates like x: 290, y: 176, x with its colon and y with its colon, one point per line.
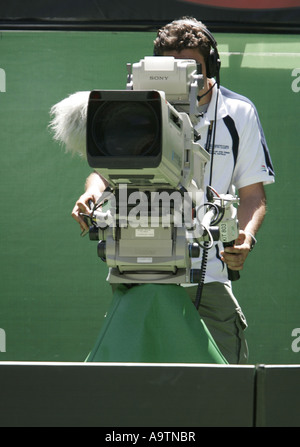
x: 231, y: 131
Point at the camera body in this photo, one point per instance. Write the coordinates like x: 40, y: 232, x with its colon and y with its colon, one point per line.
x: 147, y: 150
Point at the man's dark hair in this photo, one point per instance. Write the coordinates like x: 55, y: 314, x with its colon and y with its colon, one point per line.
x: 181, y: 34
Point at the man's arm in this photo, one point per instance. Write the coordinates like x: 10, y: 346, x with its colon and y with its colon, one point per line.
x: 94, y: 186
x: 251, y: 213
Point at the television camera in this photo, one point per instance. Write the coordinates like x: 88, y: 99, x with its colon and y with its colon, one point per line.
x: 155, y: 216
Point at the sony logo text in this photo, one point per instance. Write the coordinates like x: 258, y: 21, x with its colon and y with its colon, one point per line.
x: 158, y: 78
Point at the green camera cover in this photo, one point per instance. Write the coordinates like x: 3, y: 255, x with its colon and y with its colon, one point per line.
x: 154, y: 323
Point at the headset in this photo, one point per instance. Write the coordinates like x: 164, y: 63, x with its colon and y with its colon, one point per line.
x: 213, y: 62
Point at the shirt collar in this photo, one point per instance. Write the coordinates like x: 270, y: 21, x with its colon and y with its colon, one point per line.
x: 210, y: 114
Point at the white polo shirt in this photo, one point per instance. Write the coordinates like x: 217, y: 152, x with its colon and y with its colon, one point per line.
x: 241, y: 157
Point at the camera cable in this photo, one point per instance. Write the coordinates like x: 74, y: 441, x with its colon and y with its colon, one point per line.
x: 211, y: 134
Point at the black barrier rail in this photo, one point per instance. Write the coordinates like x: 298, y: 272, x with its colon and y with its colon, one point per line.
x: 142, y: 25
x: 175, y: 396
x: 277, y: 396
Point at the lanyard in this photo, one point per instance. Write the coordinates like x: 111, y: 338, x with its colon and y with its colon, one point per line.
x: 208, y: 138
x: 210, y: 150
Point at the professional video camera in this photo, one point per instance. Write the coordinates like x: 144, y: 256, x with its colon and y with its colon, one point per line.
x: 145, y: 146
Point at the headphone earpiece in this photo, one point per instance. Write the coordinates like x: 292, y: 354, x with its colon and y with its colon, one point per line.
x: 213, y: 62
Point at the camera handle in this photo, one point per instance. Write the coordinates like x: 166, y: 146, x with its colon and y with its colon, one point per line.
x: 233, y: 275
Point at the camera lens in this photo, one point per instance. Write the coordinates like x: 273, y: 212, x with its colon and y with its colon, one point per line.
x: 126, y: 129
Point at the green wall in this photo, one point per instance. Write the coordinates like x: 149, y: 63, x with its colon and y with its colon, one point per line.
x: 53, y: 289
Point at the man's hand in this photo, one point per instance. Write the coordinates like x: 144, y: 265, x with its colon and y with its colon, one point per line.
x: 235, y: 256
x: 94, y: 186
x: 251, y: 213
x: 82, y: 206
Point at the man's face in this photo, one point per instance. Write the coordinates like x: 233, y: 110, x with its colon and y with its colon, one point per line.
x: 188, y: 53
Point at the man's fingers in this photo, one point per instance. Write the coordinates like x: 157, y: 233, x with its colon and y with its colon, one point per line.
x: 80, y: 220
x: 80, y: 207
x: 235, y: 257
